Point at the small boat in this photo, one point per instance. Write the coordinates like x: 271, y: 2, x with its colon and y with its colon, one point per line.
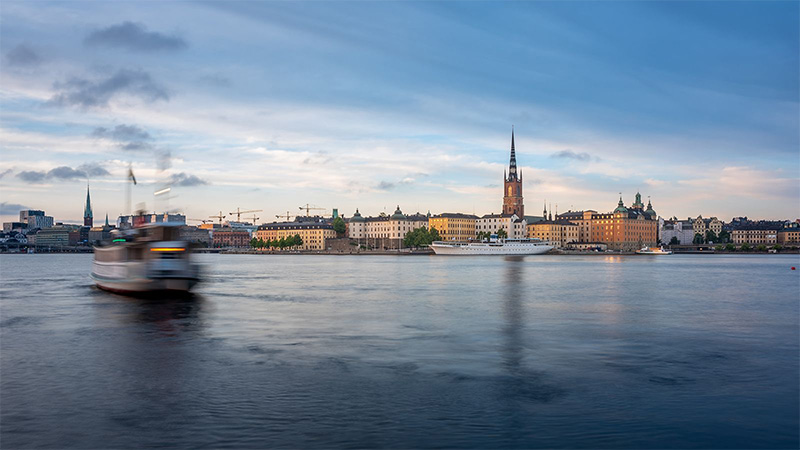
x: 147, y: 259
x: 492, y: 247
x: 653, y: 251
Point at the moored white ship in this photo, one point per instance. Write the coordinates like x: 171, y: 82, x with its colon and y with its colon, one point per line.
x: 492, y: 247
x: 146, y: 259
x: 653, y: 251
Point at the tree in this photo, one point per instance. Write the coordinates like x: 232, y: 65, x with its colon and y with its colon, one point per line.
x: 339, y: 226
x: 254, y: 243
x: 421, y: 237
x: 724, y: 236
x: 761, y: 248
x: 674, y: 241
x: 501, y: 233
x: 777, y: 247
x: 435, y: 236
x: 745, y: 247
x: 711, y: 237
x: 298, y: 241
x: 730, y: 247
x: 261, y: 243
x: 698, y: 239
x: 719, y: 248
x: 282, y: 243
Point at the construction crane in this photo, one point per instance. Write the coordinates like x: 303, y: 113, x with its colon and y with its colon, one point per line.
x: 287, y: 215
x: 239, y: 213
x: 308, y: 209
x: 220, y: 217
x: 255, y: 219
x: 201, y: 220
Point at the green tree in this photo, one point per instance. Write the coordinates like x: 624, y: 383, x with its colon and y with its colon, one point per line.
x: 724, y: 236
x: 339, y: 226
x: 719, y: 248
x: 745, y: 247
x: 730, y: 247
x: 435, y: 236
x: 761, y: 248
x: 711, y: 237
x: 698, y: 238
x: 674, y: 241
x: 501, y: 233
x: 261, y: 243
x: 421, y: 237
x: 254, y: 243
x: 777, y: 247
x: 282, y: 243
x: 298, y: 241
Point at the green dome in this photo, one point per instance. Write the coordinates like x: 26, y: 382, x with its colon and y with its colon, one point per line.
x: 650, y: 211
x: 621, y: 207
x: 357, y: 217
x: 398, y: 215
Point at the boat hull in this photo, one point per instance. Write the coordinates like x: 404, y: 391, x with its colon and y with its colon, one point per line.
x: 489, y: 249
x: 144, y: 285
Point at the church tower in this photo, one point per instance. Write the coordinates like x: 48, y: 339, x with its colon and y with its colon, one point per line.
x: 512, y: 186
x: 88, y: 219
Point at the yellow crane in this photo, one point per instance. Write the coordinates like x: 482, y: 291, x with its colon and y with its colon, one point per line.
x: 308, y: 209
x: 287, y: 215
x: 255, y: 219
x: 239, y: 213
x: 201, y: 220
x: 219, y: 216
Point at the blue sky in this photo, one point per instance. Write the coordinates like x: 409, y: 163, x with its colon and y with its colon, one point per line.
x: 271, y: 105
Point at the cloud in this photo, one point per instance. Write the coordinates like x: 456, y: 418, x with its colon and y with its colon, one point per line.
x: 215, y: 80
x: 64, y: 173
x: 135, y: 37
x: 4, y: 173
x: 97, y: 93
x: 569, y: 154
x: 385, y: 185
x: 185, y: 180
x: 22, y: 56
x: 32, y: 176
x: 128, y: 137
x: 8, y: 209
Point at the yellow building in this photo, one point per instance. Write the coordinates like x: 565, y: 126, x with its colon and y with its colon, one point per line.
x: 454, y: 226
x: 558, y: 232
x: 755, y: 234
x: 313, y: 235
x: 789, y: 235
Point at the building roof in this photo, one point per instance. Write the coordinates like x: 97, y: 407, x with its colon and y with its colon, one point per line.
x: 554, y: 222
x: 454, y: 216
x: 496, y: 216
x: 295, y: 226
x: 357, y: 217
x: 398, y: 215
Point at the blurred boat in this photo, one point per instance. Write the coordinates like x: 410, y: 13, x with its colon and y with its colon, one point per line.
x: 493, y: 247
x: 653, y: 251
x: 151, y: 258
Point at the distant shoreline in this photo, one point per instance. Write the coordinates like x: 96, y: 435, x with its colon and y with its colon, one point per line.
x: 406, y: 253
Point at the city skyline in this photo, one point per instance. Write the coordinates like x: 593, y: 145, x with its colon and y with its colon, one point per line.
x: 373, y: 105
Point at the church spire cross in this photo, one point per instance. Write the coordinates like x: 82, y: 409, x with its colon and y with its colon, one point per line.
x: 512, y: 165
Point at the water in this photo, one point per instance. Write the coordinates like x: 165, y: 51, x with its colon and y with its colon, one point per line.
x: 386, y: 351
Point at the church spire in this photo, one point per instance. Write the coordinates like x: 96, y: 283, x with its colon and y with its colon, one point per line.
x: 512, y: 165
x: 88, y: 218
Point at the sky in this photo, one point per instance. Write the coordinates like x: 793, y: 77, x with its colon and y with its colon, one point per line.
x: 371, y: 105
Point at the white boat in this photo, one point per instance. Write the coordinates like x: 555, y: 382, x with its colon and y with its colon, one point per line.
x: 653, y: 251
x: 492, y: 247
x: 147, y: 259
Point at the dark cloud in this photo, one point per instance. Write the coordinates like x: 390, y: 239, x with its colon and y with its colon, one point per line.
x: 569, y: 154
x: 128, y: 137
x: 22, y: 56
x: 386, y: 185
x: 215, y: 80
x: 134, y: 36
x: 5, y: 172
x: 8, y: 209
x: 32, y: 176
x: 64, y: 173
x: 182, y: 179
x: 97, y: 93
x: 93, y: 170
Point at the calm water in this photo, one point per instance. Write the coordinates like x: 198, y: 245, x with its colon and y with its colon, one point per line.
x: 383, y: 351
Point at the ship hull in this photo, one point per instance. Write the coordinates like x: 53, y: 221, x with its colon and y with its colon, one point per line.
x: 144, y: 285
x: 489, y: 249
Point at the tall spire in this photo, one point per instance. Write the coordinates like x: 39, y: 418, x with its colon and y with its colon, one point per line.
x: 107, y: 219
x: 512, y: 166
x: 88, y: 218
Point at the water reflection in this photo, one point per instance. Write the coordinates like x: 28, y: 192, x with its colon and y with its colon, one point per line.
x: 170, y: 314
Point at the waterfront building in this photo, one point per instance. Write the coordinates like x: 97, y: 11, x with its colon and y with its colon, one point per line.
x: 625, y: 229
x: 757, y: 233
x: 14, y: 226
x: 356, y: 226
x: 59, y: 236
x: 789, y: 234
x: 196, y: 235
x: 492, y: 223
x: 454, y: 226
x: 583, y: 219
x: 682, y: 230
x: 512, y: 186
x: 560, y: 232
x: 230, y: 237
x: 313, y: 234
x: 388, y: 231
x: 35, y: 219
x: 701, y: 225
x: 88, y: 218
